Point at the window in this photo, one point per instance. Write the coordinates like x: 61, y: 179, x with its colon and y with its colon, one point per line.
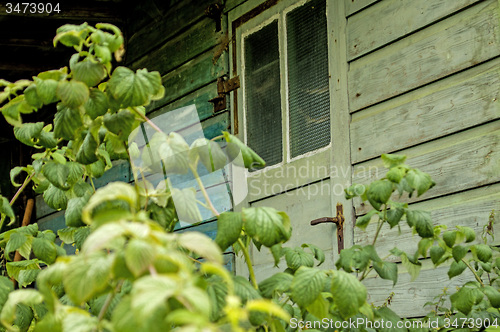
x: 285, y: 76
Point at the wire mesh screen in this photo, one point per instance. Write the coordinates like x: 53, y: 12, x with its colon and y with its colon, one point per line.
x: 309, y: 100
x: 262, y: 93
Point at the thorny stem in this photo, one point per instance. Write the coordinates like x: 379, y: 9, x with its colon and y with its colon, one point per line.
x: 249, y: 263
x: 20, y: 190
x: 473, y: 272
x: 145, y: 118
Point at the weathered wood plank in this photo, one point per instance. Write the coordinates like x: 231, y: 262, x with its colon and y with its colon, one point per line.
x: 165, y: 26
x: 387, y: 21
x: 469, y: 208
x: 463, y: 40
x: 458, y: 102
x: 410, y: 296
x: 184, y: 47
x: 458, y: 162
x: 53, y: 222
x: 353, y: 6
x: 199, y: 98
x: 231, y: 4
x: 119, y: 172
x: 191, y: 76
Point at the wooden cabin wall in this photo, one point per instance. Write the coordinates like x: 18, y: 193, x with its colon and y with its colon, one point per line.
x: 424, y: 81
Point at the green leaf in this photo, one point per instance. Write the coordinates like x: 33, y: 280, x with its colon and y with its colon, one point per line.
x: 97, y: 104
x: 396, y: 174
x: 483, y: 252
x: 120, y: 123
x: 79, y: 320
x: 55, y: 198
x: 319, y: 254
x: 201, y: 245
x: 13, y: 109
x: 6, y: 210
x: 15, y: 268
x: 422, y: 222
x: 493, y: 296
x: 348, y: 293
x: 16, y: 240
x: 424, y: 245
x: 47, y: 139
x: 139, y: 255
x: 28, y: 132
x: 468, y: 233
x: 173, y: 150
x: 67, y: 235
x: 436, y: 253
x: 456, y: 268
x: 364, y: 221
x: 459, y: 252
x: 276, y: 284
x: 295, y: 258
x: 31, y: 97
x: 67, y: 121
x: 73, y: 214
x: 465, y: 298
x: 87, y: 152
x: 28, y: 297
x: 266, y: 225
x: 103, y: 53
x: 235, y: 147
x: 72, y: 35
x: 27, y: 277
x: 86, y: 276
x: 387, y: 270
x: 307, y: 285
x: 355, y: 190
x: 419, y: 181
x: 46, y: 89
x: 392, y: 160
x: 210, y: 153
x: 394, y: 215
x: 150, y: 295
x: 15, y: 172
x: 57, y: 174
x: 449, y: 238
x: 44, y: 250
x: 185, y: 205
x: 229, y: 226
x: 89, y: 72
x: 72, y: 93
x: 244, y: 289
x: 379, y: 192
x: 134, y: 89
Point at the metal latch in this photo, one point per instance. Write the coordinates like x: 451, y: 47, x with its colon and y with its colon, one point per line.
x: 339, y: 220
x: 224, y: 86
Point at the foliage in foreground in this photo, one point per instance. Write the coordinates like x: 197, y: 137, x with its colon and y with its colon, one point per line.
x: 131, y: 273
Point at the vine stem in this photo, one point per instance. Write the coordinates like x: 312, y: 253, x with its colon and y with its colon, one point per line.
x: 145, y: 118
x: 204, y: 191
x: 109, y: 298
x: 473, y: 272
x: 20, y: 190
x: 249, y: 263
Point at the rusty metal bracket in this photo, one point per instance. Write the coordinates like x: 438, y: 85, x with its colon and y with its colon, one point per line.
x: 224, y: 87
x: 215, y: 11
x: 339, y: 220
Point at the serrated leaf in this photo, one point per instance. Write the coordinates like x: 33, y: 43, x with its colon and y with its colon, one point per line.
x: 86, y: 276
x: 394, y: 215
x: 210, y: 153
x: 185, y: 205
x: 14, y: 268
x: 28, y: 297
x: 348, y: 293
x: 86, y: 154
x: 139, y: 255
x: 396, y: 174
x: 71, y: 35
x: 392, y: 160
x: 419, y: 181
x: 387, y: 270
x: 67, y: 121
x: 493, y: 296
x: 229, y: 226
x: 307, y: 285
x: 46, y: 89
x: 134, y: 89
x: 16, y: 240
x: 57, y: 174
x: 266, y: 225
x: 6, y: 210
x: 364, y: 221
x: 28, y: 132
x: 120, y: 123
x: 55, y: 198
x: 465, y: 298
x: 67, y: 235
x: 319, y: 254
x: 295, y: 258
x: 379, y: 192
x: 249, y: 159
x: 201, y: 245
x: 27, y: 277
x: 276, y: 284
x: 173, y: 150
x: 72, y: 93
x: 422, y: 222
x: 97, y: 104
x: 449, y: 238
x: 47, y: 140
x: 459, y: 252
x: 468, y: 232
x: 483, y: 252
x: 436, y: 253
x: 89, y: 72
x: 13, y: 109
x: 31, y: 97
x: 44, y: 250
x: 73, y: 214
x: 456, y: 268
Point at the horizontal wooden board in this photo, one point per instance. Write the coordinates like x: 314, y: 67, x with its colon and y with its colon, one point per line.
x: 353, y: 6
x: 389, y: 20
x: 463, y: 40
x: 459, y: 162
x: 53, y: 222
x: 458, y: 102
x: 184, y: 47
x: 231, y: 4
x: 200, y: 98
x: 469, y: 208
x: 410, y: 296
x: 191, y: 76
x: 164, y: 26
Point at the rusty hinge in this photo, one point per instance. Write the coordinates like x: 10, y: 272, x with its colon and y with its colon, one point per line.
x: 339, y: 220
x: 224, y: 86
x: 215, y: 11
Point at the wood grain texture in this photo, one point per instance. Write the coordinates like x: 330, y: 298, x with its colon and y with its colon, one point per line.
x: 463, y: 40
x: 469, y: 208
x: 353, y: 6
x: 410, y: 296
x: 458, y: 102
x: 458, y: 162
x: 199, y: 38
x: 389, y: 20
x: 191, y: 76
x: 163, y: 26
